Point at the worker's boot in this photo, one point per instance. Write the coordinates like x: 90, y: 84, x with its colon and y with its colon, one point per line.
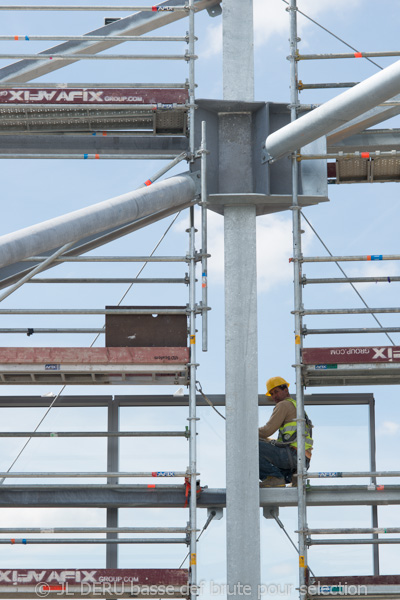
x: 272, y: 481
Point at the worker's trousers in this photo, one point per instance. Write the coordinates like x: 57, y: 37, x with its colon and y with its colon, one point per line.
x: 275, y: 461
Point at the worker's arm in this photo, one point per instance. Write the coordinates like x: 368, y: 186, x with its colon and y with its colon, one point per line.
x: 277, y: 419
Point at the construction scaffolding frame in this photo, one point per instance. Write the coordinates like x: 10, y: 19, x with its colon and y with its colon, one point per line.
x: 158, y: 117
x: 28, y: 109
x: 317, y: 370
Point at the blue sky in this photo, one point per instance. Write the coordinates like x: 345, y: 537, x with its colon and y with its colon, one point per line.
x: 359, y: 219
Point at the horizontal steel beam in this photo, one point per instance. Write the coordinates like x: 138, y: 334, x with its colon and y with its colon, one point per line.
x: 90, y: 474
x: 58, y: 530
x: 156, y: 400
x: 87, y: 7
x: 371, y: 140
x: 27, y: 541
x: 73, y: 434
x: 123, y: 496
x: 118, y: 145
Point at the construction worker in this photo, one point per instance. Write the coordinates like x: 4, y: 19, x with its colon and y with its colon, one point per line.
x: 278, y: 458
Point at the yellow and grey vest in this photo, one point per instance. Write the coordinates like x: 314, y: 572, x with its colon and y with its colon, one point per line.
x: 288, y: 431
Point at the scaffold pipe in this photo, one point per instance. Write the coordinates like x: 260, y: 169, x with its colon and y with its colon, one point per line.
x: 336, y: 112
x: 51, y: 234
x: 135, y: 24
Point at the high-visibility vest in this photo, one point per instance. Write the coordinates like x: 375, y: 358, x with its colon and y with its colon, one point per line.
x: 288, y: 431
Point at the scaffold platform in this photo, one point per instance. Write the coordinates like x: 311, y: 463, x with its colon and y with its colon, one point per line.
x: 80, y: 366
x: 156, y: 111
x: 372, y: 587
x: 357, y: 365
x: 91, y: 583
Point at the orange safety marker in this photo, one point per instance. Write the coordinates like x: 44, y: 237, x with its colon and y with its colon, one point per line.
x: 364, y: 154
x: 148, y: 182
x: 151, y: 485
x: 97, y: 155
x: 16, y: 37
x: 357, y: 54
x: 104, y: 133
x: 380, y: 488
x: 12, y: 540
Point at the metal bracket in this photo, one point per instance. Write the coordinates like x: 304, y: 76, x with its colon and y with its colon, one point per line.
x: 265, y: 156
x: 219, y: 513
x: 270, y: 512
x: 215, y: 11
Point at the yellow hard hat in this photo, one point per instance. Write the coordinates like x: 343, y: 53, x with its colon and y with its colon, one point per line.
x: 274, y: 382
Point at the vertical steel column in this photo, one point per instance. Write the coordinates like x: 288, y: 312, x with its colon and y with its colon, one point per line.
x: 112, y: 467
x: 241, y: 388
x: 372, y: 465
x: 298, y: 303
x: 238, y: 50
x: 204, y: 266
x: 192, y: 408
x: 241, y: 350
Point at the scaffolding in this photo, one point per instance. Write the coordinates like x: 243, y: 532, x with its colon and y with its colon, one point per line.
x: 156, y: 121
x: 153, y: 121
x: 339, y: 366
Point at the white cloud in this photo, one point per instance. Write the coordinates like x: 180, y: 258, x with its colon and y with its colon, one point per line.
x: 389, y: 428
x: 271, y: 19
x: 212, y: 45
x: 274, y: 248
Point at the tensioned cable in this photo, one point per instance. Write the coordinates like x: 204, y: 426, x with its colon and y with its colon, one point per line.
x: 141, y: 269
x: 281, y: 525
x: 352, y: 284
x: 334, y: 35
x: 200, y: 389
x: 34, y: 431
x: 91, y: 345
x: 206, y: 524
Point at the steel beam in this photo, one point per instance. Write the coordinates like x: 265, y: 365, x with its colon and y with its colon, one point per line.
x: 241, y: 351
x: 173, y: 192
x: 238, y: 50
x: 112, y: 465
x: 127, y: 496
x: 156, y: 400
x: 335, y: 113
x: 89, y: 144
x: 366, y: 120
x: 12, y: 273
x: 366, y: 141
x: 136, y: 24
